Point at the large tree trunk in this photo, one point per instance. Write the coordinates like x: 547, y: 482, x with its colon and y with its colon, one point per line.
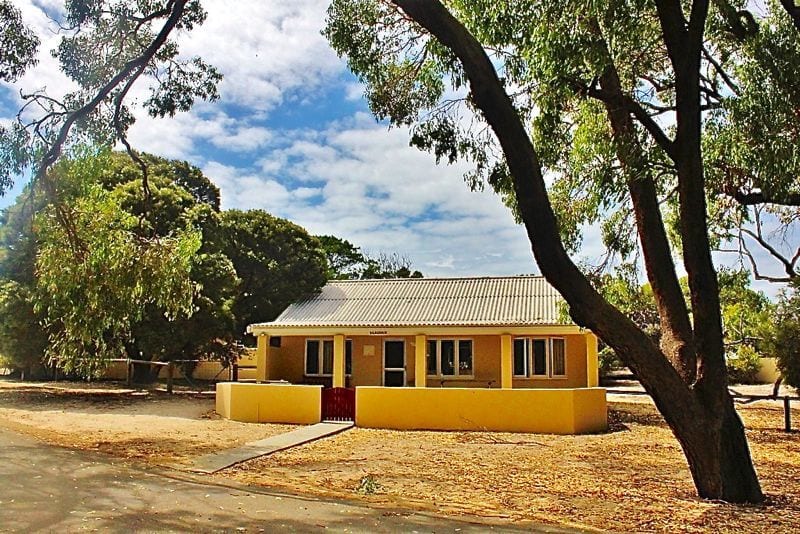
x: 701, y: 415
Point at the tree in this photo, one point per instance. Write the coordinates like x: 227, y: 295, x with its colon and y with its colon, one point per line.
x: 347, y: 262
x: 581, y: 78
x: 277, y: 262
x: 22, y: 339
x: 18, y: 43
x: 784, y: 343
x: 107, y: 46
x: 208, y: 330
x: 93, y: 294
x: 180, y: 197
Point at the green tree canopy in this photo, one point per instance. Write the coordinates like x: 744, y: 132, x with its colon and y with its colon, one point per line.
x: 17, y: 42
x: 276, y: 260
x: 784, y: 343
x: 95, y: 285
x: 347, y: 262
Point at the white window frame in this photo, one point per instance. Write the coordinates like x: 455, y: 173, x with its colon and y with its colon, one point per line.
x: 528, y: 361
x: 321, y: 340
x: 457, y: 360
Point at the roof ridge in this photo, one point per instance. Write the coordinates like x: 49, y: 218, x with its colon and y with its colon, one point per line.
x: 440, y: 278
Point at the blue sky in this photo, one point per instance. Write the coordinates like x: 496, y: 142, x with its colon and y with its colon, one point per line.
x: 292, y: 135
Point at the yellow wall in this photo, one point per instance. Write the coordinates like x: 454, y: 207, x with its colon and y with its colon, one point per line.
x: 368, y: 368
x: 552, y: 411
x: 768, y: 372
x: 269, y: 403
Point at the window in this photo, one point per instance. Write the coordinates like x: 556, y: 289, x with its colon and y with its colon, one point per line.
x: 540, y: 357
x: 449, y: 357
x: 559, y: 357
x: 319, y: 357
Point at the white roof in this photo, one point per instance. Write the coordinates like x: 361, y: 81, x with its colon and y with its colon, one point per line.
x: 483, y: 301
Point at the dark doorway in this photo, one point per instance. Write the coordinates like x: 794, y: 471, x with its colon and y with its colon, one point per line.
x: 394, y: 363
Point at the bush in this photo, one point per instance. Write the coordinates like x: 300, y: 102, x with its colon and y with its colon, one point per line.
x: 784, y: 343
x: 608, y: 361
x: 743, y: 365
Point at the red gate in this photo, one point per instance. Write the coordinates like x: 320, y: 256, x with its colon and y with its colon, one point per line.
x: 338, y: 404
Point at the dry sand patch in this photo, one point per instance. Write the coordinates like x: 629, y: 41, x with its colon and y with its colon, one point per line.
x: 128, y: 423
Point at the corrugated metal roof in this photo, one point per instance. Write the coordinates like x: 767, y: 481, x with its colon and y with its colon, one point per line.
x: 485, y: 301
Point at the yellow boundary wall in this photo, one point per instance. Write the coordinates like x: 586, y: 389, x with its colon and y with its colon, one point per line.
x: 768, y: 371
x: 269, y: 403
x: 550, y: 411
x: 207, y: 370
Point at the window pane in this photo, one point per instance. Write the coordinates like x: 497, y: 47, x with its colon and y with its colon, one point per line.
x: 393, y: 378
x: 559, y: 358
x: 519, y: 357
x: 432, y: 357
x: 448, y: 355
x: 465, y: 357
x: 348, y: 357
x: 539, y: 348
x: 395, y: 355
x: 327, y: 357
x: 312, y: 357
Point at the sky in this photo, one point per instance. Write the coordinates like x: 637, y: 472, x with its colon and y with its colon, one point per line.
x: 292, y: 134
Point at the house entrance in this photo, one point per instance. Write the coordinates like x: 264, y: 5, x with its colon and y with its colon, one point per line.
x: 394, y: 363
x: 338, y: 404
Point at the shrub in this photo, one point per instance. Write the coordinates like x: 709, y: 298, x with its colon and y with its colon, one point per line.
x: 743, y: 365
x: 608, y: 361
x: 784, y: 343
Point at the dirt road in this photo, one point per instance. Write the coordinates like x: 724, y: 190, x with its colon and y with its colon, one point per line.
x: 46, y: 488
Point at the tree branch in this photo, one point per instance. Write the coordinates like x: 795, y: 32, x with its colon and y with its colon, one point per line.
x: 132, y: 68
x: 587, y: 307
x: 793, y: 10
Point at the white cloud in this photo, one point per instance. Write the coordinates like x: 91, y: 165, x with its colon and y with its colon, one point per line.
x: 382, y: 195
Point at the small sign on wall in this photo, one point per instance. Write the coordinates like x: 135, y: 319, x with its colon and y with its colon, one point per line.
x: 369, y: 350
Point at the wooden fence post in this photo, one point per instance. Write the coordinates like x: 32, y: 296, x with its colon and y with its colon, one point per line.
x: 170, y: 372
x: 787, y: 414
x: 129, y: 374
x: 234, y: 372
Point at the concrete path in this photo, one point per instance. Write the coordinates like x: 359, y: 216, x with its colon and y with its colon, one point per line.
x: 51, y: 489
x: 211, y: 463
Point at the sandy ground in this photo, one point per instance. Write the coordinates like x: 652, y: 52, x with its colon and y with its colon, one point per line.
x: 129, y: 423
x: 630, y: 479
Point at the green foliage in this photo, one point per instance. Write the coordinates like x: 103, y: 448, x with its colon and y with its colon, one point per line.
x: 106, y: 46
x: 624, y: 291
x: 608, y: 361
x: 347, y: 262
x: 784, y: 343
x: 369, y: 485
x: 22, y: 339
x: 752, y: 142
x: 746, y: 314
x: 743, y: 365
x: 276, y: 260
x: 93, y: 295
x: 17, y: 42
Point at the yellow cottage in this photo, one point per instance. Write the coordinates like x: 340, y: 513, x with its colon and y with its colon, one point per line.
x: 486, y: 353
